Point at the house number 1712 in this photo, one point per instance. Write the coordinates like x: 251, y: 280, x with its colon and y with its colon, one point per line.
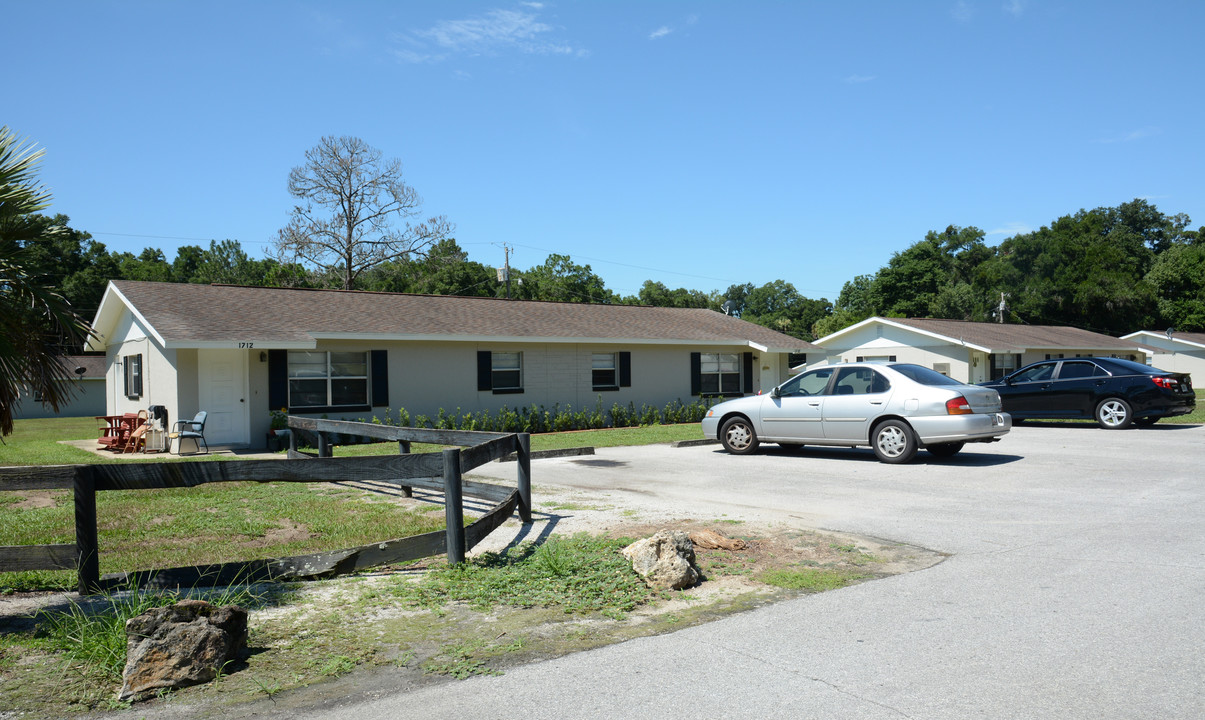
x: 246, y: 345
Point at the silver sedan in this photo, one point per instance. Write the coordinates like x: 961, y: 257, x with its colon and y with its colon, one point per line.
x: 895, y: 408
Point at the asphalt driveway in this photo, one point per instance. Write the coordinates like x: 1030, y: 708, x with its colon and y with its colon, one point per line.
x: 1075, y: 588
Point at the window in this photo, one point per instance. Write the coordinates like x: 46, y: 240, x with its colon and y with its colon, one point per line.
x: 813, y: 382
x: 876, y: 358
x: 943, y: 368
x: 604, y: 371
x: 860, y: 381
x: 1073, y: 370
x: 499, y: 372
x: 506, y: 371
x: 327, y: 379
x: 1036, y: 373
x: 133, y: 375
x: 720, y: 374
x: 923, y: 375
x: 1003, y: 363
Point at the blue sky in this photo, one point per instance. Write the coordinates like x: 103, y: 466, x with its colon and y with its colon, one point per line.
x: 699, y: 144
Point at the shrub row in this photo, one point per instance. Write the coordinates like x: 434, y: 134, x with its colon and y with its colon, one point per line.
x: 538, y: 419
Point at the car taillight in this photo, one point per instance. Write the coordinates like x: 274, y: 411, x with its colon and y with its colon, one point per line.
x: 958, y: 406
x: 1165, y: 382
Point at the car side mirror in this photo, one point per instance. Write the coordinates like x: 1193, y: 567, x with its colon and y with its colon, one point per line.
x: 774, y: 393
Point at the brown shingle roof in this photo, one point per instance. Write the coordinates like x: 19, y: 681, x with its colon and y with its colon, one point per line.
x: 184, y: 314
x: 1003, y: 337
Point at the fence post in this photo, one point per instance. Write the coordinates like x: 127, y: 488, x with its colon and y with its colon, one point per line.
x: 86, y: 545
x: 524, y: 462
x: 324, y: 445
x: 454, y: 506
x: 403, y: 448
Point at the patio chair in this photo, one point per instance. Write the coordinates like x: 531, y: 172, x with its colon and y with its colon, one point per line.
x: 137, y: 438
x: 191, y: 430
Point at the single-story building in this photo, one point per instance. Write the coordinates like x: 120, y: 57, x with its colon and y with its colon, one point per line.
x: 1179, y: 352
x: 86, y: 396
x: 969, y: 351
x: 240, y: 353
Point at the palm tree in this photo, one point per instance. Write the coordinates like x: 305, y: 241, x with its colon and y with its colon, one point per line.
x: 33, y: 318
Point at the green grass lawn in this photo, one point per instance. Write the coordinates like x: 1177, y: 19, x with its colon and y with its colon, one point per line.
x: 224, y: 522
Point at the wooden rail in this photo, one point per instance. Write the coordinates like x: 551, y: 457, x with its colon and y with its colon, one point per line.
x: 441, y: 471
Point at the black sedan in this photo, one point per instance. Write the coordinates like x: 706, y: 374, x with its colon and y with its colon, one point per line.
x: 1112, y: 391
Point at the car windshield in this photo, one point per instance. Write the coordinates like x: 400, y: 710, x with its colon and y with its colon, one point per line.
x: 923, y: 375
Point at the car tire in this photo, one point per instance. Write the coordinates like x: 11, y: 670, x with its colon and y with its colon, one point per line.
x: 1146, y: 421
x: 945, y: 449
x: 893, y: 441
x: 738, y: 437
x: 1114, y: 414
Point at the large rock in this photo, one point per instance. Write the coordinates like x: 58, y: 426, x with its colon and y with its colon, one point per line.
x: 665, y: 560
x: 180, y: 645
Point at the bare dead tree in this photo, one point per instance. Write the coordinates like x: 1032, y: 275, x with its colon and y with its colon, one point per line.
x: 357, y: 214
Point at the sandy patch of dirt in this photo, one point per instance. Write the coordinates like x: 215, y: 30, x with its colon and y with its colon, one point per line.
x: 33, y: 499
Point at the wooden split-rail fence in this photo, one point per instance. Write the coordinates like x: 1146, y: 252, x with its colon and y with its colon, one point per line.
x: 439, y: 471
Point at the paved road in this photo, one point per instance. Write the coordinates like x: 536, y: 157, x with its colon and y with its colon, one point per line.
x: 1075, y: 588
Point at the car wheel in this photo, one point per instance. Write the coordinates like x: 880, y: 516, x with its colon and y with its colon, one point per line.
x: 1114, y: 414
x: 737, y: 436
x: 945, y: 449
x: 893, y: 441
x: 1146, y: 421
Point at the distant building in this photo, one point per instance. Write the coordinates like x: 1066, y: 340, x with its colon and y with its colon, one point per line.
x: 1179, y: 352
x: 970, y: 351
x: 87, y: 396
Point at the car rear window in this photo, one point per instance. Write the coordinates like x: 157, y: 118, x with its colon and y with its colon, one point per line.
x: 1118, y: 366
x: 923, y: 375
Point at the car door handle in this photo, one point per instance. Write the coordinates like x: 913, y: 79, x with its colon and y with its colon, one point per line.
x: 876, y: 402
x: 814, y: 404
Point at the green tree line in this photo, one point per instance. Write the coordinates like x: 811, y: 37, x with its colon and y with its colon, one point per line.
x: 1111, y: 270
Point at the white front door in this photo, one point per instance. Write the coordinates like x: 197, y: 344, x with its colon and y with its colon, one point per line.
x: 222, y: 391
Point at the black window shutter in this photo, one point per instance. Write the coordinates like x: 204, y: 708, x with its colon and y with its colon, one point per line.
x: 278, y: 379
x: 625, y: 369
x: 748, y: 373
x: 126, y: 375
x: 696, y: 371
x: 380, y: 378
x: 485, y: 370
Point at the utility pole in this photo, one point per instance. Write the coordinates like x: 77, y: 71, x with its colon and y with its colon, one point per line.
x: 1001, y: 308
x: 504, y: 271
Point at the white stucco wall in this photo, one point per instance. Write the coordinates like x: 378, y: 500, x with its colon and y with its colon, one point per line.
x: 160, y: 371
x: 876, y: 341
